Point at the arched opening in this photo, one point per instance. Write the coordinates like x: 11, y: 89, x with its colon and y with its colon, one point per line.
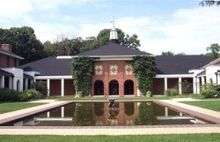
x: 128, y: 87
x: 18, y: 85
x: 113, y: 87
x: 98, y: 87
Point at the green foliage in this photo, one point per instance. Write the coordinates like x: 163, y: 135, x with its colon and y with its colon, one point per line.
x: 172, y: 92
x: 24, y: 43
x: 83, y: 114
x: 210, y: 91
x: 7, y: 95
x: 146, y: 114
x: 83, y: 69
x: 213, y: 50
x: 210, y: 3
x: 40, y: 86
x: 168, y: 53
x: 145, y: 71
x: 30, y: 94
x: 125, y: 39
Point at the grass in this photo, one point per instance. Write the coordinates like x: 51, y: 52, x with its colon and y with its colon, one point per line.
x: 12, y: 106
x: 147, y: 138
x: 209, y: 104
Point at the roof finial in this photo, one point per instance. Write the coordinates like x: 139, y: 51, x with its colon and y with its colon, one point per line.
x: 113, y: 32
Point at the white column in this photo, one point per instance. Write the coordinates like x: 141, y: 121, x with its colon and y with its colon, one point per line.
x: 48, y: 114
x: 165, y: 84
x: 48, y: 87
x: 166, y: 111
x: 62, y: 112
x: 180, y: 85
x: 138, y: 92
x: 62, y: 87
x: 198, y: 85
x: 194, y: 86
x: 203, y: 80
x: 2, y: 81
x: 12, y: 85
x: 26, y: 84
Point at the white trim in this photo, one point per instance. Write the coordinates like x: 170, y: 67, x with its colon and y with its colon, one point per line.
x: 64, y: 57
x: 48, y: 87
x: 174, y: 75
x: 115, y: 59
x: 54, y: 77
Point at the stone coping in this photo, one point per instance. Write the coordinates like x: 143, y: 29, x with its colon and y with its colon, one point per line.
x: 109, y: 130
x: 198, y: 112
x: 14, y: 115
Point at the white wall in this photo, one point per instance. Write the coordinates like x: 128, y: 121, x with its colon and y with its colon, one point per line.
x: 18, y: 76
x: 210, y: 73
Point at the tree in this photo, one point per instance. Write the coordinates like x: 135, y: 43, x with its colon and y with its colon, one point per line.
x: 210, y: 3
x: 64, y: 47
x: 168, y: 53
x: 24, y: 43
x: 214, y: 50
x: 125, y: 39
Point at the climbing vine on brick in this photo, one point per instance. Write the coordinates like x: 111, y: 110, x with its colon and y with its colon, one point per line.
x: 145, y: 70
x: 82, y: 71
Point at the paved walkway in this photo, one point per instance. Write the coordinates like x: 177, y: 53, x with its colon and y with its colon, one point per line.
x: 198, y: 112
x: 130, y: 130
x: 11, y: 116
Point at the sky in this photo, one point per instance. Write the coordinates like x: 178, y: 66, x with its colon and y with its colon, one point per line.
x: 180, y: 26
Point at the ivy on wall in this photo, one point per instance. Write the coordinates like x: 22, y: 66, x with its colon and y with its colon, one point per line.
x: 145, y: 70
x: 82, y: 71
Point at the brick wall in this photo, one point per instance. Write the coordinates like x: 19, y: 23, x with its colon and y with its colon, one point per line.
x: 121, y: 76
x: 6, y: 61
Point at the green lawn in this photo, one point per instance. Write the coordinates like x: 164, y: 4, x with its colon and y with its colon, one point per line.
x: 147, y: 138
x: 12, y: 106
x: 212, y: 104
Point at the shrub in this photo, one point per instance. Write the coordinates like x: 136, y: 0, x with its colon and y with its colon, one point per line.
x: 209, y: 91
x: 41, y: 87
x: 7, y: 95
x: 172, y: 92
x: 30, y: 94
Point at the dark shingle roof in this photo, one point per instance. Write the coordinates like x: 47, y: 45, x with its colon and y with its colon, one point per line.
x: 50, y: 66
x: 5, y: 73
x: 165, y: 65
x: 112, y: 49
x: 180, y: 64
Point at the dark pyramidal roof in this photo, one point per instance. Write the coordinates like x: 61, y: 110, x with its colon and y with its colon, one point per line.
x: 165, y: 65
x: 112, y: 48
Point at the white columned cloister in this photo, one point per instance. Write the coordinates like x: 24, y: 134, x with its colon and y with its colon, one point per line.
x: 165, y: 84
x: 26, y: 83
x: 194, y: 85
x: 197, y: 85
x: 48, y: 87
x: 2, y: 81
x: 180, y: 85
x: 62, y: 87
x: 11, y: 83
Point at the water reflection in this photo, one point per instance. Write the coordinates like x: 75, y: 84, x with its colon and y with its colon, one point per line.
x: 107, y: 114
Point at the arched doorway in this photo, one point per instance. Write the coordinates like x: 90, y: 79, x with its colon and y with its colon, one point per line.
x: 113, y: 87
x: 128, y: 87
x: 98, y: 87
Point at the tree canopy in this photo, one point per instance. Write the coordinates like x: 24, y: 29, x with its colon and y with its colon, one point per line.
x: 210, y: 3
x: 24, y: 43
x: 213, y: 50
